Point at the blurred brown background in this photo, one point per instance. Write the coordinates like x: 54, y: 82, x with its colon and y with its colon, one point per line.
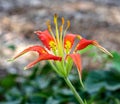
x: 94, y: 19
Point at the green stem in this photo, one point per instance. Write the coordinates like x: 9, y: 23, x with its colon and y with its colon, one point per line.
x: 74, y: 91
x: 81, y: 82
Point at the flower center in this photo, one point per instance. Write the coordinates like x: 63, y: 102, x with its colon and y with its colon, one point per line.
x: 68, y: 45
x: 52, y: 45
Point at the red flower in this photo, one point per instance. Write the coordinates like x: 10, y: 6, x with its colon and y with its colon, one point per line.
x: 60, y: 46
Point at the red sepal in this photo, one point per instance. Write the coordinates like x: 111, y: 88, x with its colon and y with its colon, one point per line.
x: 77, y: 60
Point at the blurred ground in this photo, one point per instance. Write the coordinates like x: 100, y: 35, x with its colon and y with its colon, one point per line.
x: 94, y: 19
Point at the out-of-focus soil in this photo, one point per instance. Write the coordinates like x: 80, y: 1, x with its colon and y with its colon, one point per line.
x: 93, y: 19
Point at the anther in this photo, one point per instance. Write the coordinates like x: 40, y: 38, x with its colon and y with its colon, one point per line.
x: 60, y: 28
x: 62, y: 20
x: 55, y: 18
x: 48, y: 25
x: 79, y: 37
x: 68, y: 24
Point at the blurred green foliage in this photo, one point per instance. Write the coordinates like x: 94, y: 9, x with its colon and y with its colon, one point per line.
x: 116, y: 61
x: 43, y: 86
x: 12, y: 47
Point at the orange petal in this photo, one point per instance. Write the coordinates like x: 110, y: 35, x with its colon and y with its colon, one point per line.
x: 45, y: 37
x: 77, y: 60
x: 69, y: 40
x: 38, y: 49
x: 83, y: 44
x: 43, y: 57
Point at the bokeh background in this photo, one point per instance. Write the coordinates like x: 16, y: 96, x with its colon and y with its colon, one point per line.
x: 93, y: 19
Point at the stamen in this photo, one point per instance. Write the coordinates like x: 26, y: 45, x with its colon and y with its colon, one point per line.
x: 61, y: 29
x: 68, y: 46
x: 68, y: 25
x: 48, y: 24
x: 56, y: 26
x: 49, y: 28
x: 79, y: 37
x: 55, y: 18
x: 52, y: 45
x: 63, y: 21
x: 59, y: 45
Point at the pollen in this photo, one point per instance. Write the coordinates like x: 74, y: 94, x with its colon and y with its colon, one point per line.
x: 68, y: 45
x: 52, y: 45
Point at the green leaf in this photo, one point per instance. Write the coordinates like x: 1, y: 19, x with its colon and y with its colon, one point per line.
x: 28, y: 89
x: 18, y: 101
x: 8, y: 81
x: 98, y: 79
x: 116, y: 60
x: 51, y: 100
x: 42, y: 81
x: 36, y: 99
x: 13, y: 94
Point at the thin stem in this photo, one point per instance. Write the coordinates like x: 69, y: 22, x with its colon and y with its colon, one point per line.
x: 81, y: 82
x: 74, y: 91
